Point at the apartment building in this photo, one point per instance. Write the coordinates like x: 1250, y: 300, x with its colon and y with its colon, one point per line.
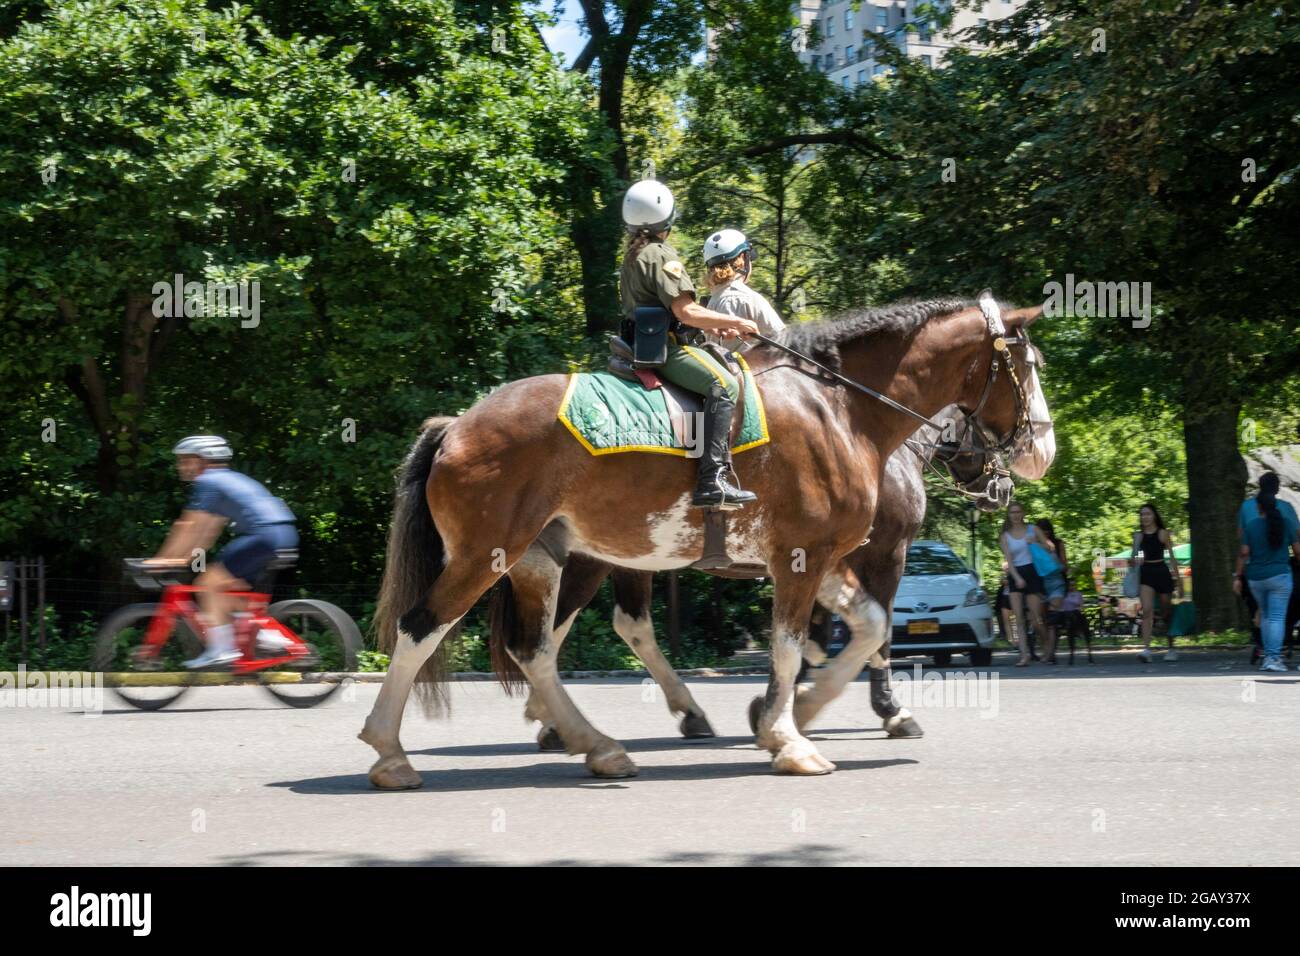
x: 847, y: 55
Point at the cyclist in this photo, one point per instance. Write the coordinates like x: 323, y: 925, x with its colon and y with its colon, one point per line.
x: 263, y: 525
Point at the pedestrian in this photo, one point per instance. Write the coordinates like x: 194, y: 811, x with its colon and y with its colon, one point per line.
x: 1265, y: 541
x: 1053, y: 577
x: 1248, y: 511
x: 1157, y: 584
x: 1003, y: 604
x: 1026, y: 586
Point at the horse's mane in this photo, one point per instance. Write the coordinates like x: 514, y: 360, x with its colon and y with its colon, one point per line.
x: 822, y: 338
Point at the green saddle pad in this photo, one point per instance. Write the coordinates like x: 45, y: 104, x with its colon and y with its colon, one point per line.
x: 608, y: 414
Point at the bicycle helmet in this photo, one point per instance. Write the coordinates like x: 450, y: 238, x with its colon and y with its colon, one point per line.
x: 207, y: 447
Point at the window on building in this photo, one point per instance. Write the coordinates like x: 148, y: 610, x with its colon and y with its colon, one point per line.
x: 848, y: 54
x: 816, y: 61
x: 862, y: 77
x: 882, y: 17
x: 923, y: 32
x: 928, y: 61
x: 830, y: 26
x: 848, y: 18
x: 846, y: 82
x: 878, y: 70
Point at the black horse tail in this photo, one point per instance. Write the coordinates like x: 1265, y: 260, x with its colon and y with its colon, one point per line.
x: 505, y: 628
x: 413, y: 563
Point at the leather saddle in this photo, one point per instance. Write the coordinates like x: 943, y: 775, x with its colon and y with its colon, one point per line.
x: 681, y: 403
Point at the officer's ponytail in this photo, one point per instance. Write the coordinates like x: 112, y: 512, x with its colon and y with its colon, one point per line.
x: 636, y: 241
x: 724, y: 272
x: 1267, y: 501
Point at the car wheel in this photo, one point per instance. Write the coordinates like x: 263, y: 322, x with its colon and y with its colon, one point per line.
x: 981, y: 657
x: 942, y: 658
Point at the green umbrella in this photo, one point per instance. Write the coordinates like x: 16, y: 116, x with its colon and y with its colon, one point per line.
x: 1182, y: 552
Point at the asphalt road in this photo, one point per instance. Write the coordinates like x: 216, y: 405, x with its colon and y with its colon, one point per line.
x: 1196, y: 763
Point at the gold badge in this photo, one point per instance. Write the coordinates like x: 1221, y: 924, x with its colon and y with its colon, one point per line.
x: 673, y: 268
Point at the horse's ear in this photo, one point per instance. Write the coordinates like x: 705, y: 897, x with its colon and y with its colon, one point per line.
x: 1023, y: 317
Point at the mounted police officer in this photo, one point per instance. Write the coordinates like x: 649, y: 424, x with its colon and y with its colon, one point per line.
x: 728, y: 261
x: 659, y: 301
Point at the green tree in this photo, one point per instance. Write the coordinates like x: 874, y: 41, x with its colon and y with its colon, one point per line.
x: 400, y: 231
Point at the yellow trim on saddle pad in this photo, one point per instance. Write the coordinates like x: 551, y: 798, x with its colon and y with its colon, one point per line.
x: 754, y: 405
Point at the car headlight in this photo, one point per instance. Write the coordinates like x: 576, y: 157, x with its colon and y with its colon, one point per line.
x: 976, y: 597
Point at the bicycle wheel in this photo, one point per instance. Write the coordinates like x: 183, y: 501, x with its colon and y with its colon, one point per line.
x: 148, y: 682
x: 334, y: 641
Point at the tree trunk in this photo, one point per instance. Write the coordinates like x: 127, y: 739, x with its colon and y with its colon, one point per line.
x: 595, y: 236
x: 596, y: 225
x: 1216, y: 486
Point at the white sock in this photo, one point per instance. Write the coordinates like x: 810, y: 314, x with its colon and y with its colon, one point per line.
x: 221, y: 638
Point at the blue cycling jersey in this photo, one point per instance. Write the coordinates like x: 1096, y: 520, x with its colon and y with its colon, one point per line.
x: 243, y: 500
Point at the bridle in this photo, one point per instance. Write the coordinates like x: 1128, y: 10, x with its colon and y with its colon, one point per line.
x: 992, y: 450
x: 977, y: 442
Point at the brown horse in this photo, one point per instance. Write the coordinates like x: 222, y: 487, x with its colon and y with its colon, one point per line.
x: 506, y: 474
x: 878, y: 564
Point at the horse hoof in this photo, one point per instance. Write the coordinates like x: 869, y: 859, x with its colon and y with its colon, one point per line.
x: 801, y: 759
x: 611, y: 763
x: 695, y: 726
x: 903, y: 727
x: 394, y: 773
x: 548, y: 741
x: 755, y: 709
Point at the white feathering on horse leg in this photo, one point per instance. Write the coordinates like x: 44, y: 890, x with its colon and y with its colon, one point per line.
x: 777, y: 733
x: 866, y: 620
x: 382, y: 728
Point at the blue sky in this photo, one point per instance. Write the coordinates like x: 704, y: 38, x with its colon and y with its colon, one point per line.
x: 564, y: 38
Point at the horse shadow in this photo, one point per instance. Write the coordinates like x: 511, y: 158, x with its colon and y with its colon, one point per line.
x: 555, y: 774
x: 642, y: 744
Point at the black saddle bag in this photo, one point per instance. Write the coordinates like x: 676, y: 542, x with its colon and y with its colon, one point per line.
x: 650, y: 346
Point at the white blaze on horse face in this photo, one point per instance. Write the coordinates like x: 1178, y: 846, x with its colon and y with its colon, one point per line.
x: 1037, y: 457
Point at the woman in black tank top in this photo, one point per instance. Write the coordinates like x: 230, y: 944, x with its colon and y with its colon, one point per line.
x: 1157, y: 583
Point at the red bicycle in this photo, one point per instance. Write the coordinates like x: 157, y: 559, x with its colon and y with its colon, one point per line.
x: 141, y: 648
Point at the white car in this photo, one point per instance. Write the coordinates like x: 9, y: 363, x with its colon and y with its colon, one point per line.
x: 940, y: 608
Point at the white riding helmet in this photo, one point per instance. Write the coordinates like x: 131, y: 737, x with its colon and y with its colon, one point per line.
x: 648, y: 206
x: 207, y: 447
x: 725, y: 245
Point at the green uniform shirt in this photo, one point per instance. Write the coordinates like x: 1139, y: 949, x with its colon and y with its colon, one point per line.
x: 654, y: 276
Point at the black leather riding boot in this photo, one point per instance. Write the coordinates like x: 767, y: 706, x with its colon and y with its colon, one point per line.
x: 712, y: 490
